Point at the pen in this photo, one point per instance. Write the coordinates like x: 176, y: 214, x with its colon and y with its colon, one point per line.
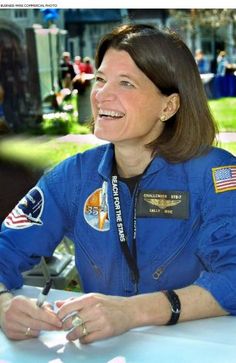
x: 44, y: 293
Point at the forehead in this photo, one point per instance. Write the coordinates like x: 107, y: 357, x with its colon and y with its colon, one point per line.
x: 118, y: 63
x: 114, y: 58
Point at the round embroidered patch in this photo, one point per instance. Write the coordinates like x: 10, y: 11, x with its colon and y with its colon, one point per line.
x: 96, y: 211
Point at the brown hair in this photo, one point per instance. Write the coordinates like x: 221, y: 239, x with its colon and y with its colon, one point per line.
x: 165, y: 59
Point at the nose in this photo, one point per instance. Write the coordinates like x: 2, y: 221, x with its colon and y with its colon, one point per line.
x: 106, y: 92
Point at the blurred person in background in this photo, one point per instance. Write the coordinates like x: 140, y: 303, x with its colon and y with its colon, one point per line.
x: 67, y: 71
x: 222, y: 63
x: 202, y: 62
x: 88, y: 68
x: 79, y: 67
x: 82, y: 83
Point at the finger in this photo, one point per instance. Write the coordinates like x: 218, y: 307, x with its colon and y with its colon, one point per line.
x: 72, y: 320
x: 86, y: 328
x: 78, y: 332
x: 43, y: 318
x: 18, y: 331
x: 30, y: 333
x: 45, y: 313
x: 41, y: 323
x: 47, y: 317
x: 76, y: 304
x: 59, y: 303
x: 67, y: 309
x: 96, y: 334
x: 49, y: 306
x: 24, y: 309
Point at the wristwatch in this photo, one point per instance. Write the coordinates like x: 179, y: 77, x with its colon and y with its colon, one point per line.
x: 174, y: 304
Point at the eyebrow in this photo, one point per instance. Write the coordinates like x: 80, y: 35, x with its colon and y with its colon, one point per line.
x: 120, y: 75
x: 127, y: 76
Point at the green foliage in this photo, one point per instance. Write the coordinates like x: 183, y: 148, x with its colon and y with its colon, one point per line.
x: 230, y: 146
x: 58, y: 123
x: 60, y: 116
x: 62, y: 123
x: 223, y: 111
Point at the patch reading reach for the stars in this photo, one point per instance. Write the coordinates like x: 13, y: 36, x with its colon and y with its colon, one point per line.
x: 224, y: 178
x: 28, y: 211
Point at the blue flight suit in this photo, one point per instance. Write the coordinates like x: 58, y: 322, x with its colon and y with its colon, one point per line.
x: 186, y: 225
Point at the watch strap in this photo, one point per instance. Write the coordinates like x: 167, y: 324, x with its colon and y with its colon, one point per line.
x: 174, y: 304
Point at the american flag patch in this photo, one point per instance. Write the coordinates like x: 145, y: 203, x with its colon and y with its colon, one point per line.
x: 224, y: 178
x: 28, y: 211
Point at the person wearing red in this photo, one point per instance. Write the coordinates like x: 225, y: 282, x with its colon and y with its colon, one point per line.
x: 79, y: 67
x: 88, y: 68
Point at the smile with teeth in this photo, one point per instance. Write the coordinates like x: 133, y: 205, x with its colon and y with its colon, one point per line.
x: 110, y: 114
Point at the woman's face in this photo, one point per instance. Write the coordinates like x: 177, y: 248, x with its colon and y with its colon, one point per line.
x: 126, y: 105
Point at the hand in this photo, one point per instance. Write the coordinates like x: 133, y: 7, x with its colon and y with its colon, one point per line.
x: 21, y: 319
x: 102, y: 316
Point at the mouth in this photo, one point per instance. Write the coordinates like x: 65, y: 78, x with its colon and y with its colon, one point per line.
x: 110, y: 114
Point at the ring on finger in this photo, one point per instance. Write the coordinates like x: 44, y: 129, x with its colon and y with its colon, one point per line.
x: 77, y: 321
x: 84, y: 330
x: 28, y: 332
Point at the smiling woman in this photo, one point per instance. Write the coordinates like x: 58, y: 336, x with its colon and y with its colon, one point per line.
x: 151, y: 213
x: 121, y: 97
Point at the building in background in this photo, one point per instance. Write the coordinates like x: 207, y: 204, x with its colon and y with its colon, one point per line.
x: 28, y: 62
x: 86, y: 26
x: 32, y: 41
x: 210, y: 30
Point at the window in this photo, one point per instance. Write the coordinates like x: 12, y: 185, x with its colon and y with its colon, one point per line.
x: 20, y: 13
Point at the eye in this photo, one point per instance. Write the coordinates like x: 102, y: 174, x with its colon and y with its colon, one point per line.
x: 99, y: 79
x: 127, y: 84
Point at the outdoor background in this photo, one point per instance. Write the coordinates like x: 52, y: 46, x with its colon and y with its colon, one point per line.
x: 45, y: 119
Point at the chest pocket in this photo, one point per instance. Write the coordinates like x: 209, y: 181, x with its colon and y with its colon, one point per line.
x: 180, y: 262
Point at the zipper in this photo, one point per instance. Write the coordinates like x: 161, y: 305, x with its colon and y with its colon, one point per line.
x: 159, y: 271
x: 95, y: 267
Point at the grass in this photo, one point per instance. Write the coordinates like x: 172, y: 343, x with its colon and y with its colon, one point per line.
x: 223, y: 111
x: 38, y: 153
x: 46, y: 151
x: 230, y: 146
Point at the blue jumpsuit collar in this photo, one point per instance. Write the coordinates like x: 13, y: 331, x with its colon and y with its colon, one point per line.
x: 105, y: 166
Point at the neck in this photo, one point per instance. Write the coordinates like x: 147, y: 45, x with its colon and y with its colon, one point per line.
x: 131, y: 162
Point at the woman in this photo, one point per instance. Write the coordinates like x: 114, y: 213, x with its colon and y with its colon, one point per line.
x: 151, y: 214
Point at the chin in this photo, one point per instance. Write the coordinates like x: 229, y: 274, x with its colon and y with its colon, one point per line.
x: 106, y: 137
x: 100, y: 134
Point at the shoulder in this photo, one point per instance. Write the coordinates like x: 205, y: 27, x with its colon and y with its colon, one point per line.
x: 215, y: 157
x: 204, y: 170
x: 77, y: 165
x: 64, y: 182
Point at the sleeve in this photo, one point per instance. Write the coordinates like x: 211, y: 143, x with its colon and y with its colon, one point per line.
x: 217, y: 238
x: 35, y: 226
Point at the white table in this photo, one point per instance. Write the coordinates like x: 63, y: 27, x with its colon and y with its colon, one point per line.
x: 202, y: 341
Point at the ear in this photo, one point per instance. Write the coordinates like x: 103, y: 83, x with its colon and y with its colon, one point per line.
x: 172, y: 105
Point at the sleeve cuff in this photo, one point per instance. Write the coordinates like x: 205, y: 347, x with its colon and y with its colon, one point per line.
x: 220, y: 288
